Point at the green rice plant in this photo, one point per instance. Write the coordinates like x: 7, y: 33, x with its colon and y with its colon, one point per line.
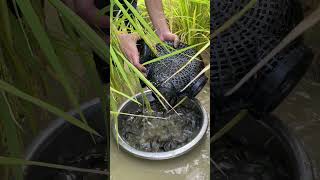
x: 32, y: 56
x: 188, y: 21
x: 20, y: 162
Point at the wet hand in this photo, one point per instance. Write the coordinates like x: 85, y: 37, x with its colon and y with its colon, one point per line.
x: 168, y: 36
x: 128, y: 45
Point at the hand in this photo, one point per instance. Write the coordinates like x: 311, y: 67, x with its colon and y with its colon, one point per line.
x: 89, y: 12
x: 128, y: 44
x: 158, y: 19
x: 168, y: 36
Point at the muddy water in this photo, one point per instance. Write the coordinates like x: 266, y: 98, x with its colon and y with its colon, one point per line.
x: 170, y: 131
x: 194, y: 165
x: 301, y: 111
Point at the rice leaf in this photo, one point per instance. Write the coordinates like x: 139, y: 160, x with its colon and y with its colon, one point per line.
x: 47, y: 48
x: 21, y: 162
x: 16, y: 92
x: 185, y: 65
x: 229, y: 126
x: 201, y: 72
x: 124, y: 95
x: 180, y: 51
x: 11, y: 132
x: 95, y: 41
x: 137, y: 115
x: 234, y: 19
x: 145, y: 80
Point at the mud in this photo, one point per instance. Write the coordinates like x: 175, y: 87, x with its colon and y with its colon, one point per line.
x: 170, y: 131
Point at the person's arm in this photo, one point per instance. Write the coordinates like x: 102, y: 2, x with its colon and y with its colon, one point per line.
x: 158, y: 19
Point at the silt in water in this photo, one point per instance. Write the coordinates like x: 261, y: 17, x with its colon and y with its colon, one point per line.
x: 164, y: 132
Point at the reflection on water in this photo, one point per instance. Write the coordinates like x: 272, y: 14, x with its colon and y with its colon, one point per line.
x: 301, y: 110
x: 194, y: 165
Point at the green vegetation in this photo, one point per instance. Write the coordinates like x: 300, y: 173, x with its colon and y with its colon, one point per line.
x: 189, y: 19
x: 33, y: 57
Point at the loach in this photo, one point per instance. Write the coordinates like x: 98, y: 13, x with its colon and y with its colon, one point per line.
x: 160, y: 73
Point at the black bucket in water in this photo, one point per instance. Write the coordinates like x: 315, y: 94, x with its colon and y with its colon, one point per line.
x: 260, y: 150
x: 64, y: 144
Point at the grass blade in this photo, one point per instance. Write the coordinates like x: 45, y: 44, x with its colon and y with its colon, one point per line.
x: 180, y: 51
x: 13, y: 141
x: 20, y: 162
x: 136, y: 115
x: 95, y: 41
x: 229, y: 126
x: 121, y: 70
x: 124, y: 95
x: 234, y: 19
x: 47, y: 48
x: 145, y: 80
x: 307, y: 23
x: 202, y: 72
x: 14, y: 91
x: 185, y: 65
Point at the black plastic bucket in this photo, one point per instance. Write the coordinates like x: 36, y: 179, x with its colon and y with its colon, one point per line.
x: 260, y: 150
x: 64, y: 144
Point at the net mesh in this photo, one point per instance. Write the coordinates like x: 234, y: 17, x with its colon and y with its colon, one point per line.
x: 160, y: 72
x: 238, y: 49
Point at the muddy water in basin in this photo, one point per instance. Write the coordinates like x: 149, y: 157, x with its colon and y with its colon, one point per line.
x: 195, y: 165
x: 159, y: 130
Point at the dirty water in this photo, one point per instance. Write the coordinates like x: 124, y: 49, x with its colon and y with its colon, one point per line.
x: 301, y: 111
x: 165, y: 131
x: 195, y: 165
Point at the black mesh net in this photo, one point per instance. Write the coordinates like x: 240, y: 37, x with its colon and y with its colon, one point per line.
x: 238, y: 49
x: 172, y: 87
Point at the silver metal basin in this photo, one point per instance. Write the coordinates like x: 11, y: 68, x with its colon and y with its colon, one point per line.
x: 159, y: 155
